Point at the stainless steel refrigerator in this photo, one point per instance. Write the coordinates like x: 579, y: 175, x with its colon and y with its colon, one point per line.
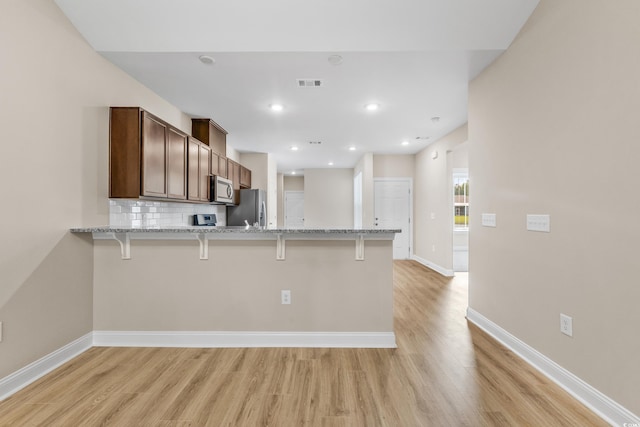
x: 252, y: 209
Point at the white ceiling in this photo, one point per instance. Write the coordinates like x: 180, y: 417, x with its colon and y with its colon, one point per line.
x: 413, y: 57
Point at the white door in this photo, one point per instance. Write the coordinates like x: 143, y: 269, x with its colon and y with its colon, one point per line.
x: 392, y: 209
x: 294, y: 209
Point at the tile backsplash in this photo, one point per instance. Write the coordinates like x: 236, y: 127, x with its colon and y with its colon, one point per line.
x: 143, y: 213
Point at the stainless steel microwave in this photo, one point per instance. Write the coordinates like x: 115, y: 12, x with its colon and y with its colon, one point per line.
x: 221, y: 190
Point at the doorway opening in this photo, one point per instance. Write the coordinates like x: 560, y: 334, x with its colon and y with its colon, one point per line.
x: 461, y: 220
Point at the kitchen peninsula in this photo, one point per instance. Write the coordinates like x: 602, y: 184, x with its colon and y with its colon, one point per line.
x: 223, y: 287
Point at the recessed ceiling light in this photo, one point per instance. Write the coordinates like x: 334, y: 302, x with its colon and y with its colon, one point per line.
x: 276, y: 107
x: 435, y: 119
x: 294, y: 148
x: 207, y: 60
x: 330, y: 163
x: 405, y: 142
x: 293, y: 172
x: 372, y: 107
x: 352, y: 148
x: 335, y: 59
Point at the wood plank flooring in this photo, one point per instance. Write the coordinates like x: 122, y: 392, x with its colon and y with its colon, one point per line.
x: 445, y: 372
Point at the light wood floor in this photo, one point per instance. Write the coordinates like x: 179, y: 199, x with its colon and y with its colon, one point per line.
x: 444, y: 372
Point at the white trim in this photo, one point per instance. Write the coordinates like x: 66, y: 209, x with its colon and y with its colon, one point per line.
x: 611, y: 411
x: 409, y: 180
x: 435, y: 267
x: 30, y: 373
x: 215, y: 339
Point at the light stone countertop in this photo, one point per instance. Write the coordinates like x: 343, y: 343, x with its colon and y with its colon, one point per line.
x: 238, y: 230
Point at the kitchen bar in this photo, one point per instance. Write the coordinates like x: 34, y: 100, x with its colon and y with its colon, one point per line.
x: 164, y: 294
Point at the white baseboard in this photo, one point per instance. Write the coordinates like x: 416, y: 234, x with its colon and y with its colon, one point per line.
x: 30, y: 373
x: 435, y: 267
x: 208, y: 339
x: 608, y: 409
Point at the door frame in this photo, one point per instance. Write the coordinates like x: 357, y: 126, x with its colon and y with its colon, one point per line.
x: 408, y: 180
x: 284, y: 202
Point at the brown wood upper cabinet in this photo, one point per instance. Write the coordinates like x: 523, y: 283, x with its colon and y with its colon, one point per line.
x: 245, y: 177
x: 210, y: 133
x: 147, y: 156
x: 176, y: 164
x: 214, y: 168
x: 199, y: 170
x: 234, y: 176
x: 223, y: 167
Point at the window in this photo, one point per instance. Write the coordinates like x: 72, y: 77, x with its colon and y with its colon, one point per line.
x: 461, y: 200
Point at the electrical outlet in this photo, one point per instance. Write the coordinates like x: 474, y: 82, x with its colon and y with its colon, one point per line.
x: 433, y: 248
x: 285, y: 297
x: 566, y: 325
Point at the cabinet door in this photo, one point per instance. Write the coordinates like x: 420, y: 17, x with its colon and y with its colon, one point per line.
x: 204, y: 172
x: 176, y: 165
x: 245, y: 177
x: 215, y: 168
x: 193, y: 181
x: 234, y: 176
x: 217, y: 140
x: 154, y: 156
x: 223, y: 170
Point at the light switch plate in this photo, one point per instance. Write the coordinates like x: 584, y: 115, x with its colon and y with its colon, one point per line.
x: 539, y: 223
x: 489, y: 219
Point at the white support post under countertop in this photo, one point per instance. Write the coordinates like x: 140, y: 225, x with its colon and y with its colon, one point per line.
x: 280, y: 248
x: 360, y: 247
x: 125, y: 244
x: 204, y: 246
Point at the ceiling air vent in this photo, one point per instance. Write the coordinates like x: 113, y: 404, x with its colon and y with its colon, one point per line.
x: 309, y: 83
x: 315, y: 142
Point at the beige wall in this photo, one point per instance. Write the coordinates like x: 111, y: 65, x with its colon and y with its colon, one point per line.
x: 394, y: 165
x: 264, y: 176
x: 232, y: 153
x: 54, y: 173
x: 553, y: 128
x: 330, y: 291
x: 328, y: 198
x: 433, y: 195
x: 294, y: 183
x: 259, y: 165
